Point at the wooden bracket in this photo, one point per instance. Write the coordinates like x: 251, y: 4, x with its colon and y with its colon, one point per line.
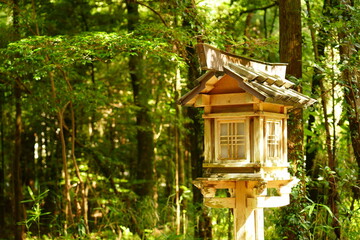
x: 260, y: 188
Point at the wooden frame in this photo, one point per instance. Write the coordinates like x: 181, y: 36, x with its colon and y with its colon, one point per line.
x: 217, y: 142
x: 280, y: 153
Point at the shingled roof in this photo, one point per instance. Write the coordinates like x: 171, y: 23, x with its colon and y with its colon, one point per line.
x: 254, y: 78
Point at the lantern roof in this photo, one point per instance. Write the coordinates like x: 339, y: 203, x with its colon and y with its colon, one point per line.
x: 265, y: 81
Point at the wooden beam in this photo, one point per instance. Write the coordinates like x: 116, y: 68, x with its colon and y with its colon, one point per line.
x: 214, y: 184
x: 258, y: 107
x: 237, y: 164
x: 219, y: 184
x: 278, y: 183
x: 268, y: 202
x: 244, y: 114
x: 238, y: 176
x: 204, y: 100
x: 231, y: 99
x: 219, y: 202
x: 285, y: 190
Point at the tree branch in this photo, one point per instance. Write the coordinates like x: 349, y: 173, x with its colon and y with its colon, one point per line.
x: 154, y: 11
x: 259, y: 8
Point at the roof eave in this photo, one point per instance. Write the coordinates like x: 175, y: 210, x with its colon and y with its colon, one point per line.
x: 184, y: 100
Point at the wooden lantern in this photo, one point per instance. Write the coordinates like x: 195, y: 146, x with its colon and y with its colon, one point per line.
x: 245, y: 105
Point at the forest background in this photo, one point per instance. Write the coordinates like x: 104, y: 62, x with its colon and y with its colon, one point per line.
x: 94, y: 146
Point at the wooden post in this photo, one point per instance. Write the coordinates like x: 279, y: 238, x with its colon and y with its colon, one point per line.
x: 248, y: 220
x: 259, y: 223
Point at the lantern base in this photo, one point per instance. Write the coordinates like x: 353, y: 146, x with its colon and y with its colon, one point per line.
x: 248, y: 198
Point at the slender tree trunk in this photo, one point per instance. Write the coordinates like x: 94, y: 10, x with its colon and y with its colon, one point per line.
x: 2, y: 164
x: 60, y: 117
x: 177, y: 182
x: 67, y: 186
x: 319, y: 82
x: 351, y: 78
x: 18, y: 210
x: 249, y: 17
x: 319, y: 42
x: 333, y: 194
x: 82, y: 206
x: 179, y: 178
x: 34, y: 17
x: 16, y: 169
x: 311, y: 169
x: 272, y: 26
x: 328, y: 142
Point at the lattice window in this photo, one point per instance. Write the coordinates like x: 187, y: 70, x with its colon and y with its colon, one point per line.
x: 274, y: 135
x: 232, y: 140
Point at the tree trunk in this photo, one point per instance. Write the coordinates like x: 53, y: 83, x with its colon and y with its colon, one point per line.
x: 290, y: 36
x: 203, y: 228
x: 290, y: 52
x: 144, y: 167
x: 195, y: 136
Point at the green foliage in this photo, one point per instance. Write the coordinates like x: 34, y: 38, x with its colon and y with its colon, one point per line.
x: 35, y: 212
